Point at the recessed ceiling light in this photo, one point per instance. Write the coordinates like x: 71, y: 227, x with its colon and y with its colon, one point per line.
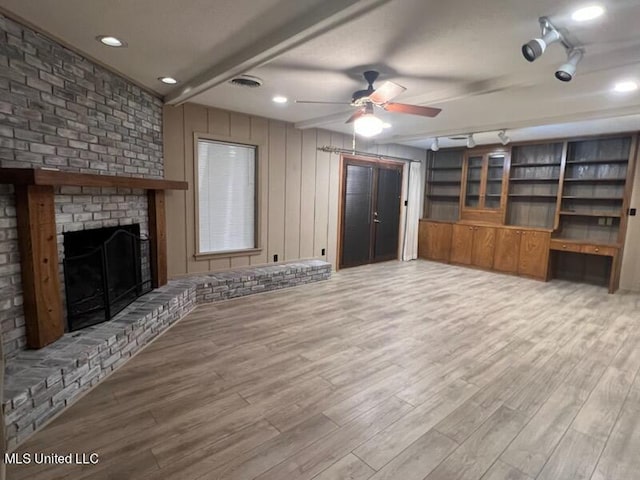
x: 168, y: 80
x: 625, y: 86
x: 279, y: 99
x: 110, y: 41
x: 585, y: 14
x: 386, y: 125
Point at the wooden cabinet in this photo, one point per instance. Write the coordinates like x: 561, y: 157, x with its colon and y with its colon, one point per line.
x: 507, y: 250
x: 434, y: 241
x: 461, y: 244
x: 533, y: 259
x: 504, y: 249
x: 522, y: 251
x: 484, y: 244
x: 473, y: 245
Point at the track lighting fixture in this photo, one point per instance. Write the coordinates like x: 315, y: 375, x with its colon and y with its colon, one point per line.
x: 504, y: 138
x: 566, y: 72
x: 536, y: 47
x: 435, y: 146
x: 470, y: 141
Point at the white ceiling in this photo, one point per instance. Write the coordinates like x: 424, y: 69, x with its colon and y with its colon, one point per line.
x: 460, y: 55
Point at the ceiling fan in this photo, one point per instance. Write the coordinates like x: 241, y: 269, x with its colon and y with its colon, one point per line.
x: 366, y: 100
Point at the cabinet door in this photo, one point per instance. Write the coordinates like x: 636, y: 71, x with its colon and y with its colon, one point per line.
x: 507, y: 250
x: 484, y: 244
x: 461, y: 244
x: 533, y: 260
x: 423, y: 245
x: 439, y: 242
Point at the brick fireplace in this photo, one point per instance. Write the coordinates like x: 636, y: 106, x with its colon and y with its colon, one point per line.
x: 61, y: 110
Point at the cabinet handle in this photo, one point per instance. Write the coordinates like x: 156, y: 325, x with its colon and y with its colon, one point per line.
x: 517, y: 232
x: 470, y: 228
x: 564, y: 246
x: 597, y: 250
x: 475, y: 228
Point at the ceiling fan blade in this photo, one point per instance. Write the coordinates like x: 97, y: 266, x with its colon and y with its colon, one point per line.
x: 412, y: 109
x: 323, y: 103
x: 386, y: 92
x: 356, y: 115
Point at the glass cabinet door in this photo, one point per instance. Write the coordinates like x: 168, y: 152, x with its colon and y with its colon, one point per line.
x: 474, y: 179
x: 495, y: 170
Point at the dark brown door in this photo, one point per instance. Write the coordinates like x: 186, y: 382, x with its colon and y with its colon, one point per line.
x: 370, y: 213
x: 386, y: 215
x: 358, y: 216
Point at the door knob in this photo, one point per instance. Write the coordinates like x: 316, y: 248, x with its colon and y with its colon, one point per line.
x: 375, y: 220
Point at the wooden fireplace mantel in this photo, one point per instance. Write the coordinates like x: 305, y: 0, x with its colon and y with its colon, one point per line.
x: 37, y: 239
x: 42, y: 176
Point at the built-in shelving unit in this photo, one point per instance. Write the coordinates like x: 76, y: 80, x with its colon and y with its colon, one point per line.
x: 444, y: 180
x: 575, y: 193
x: 533, y: 184
x: 593, y: 189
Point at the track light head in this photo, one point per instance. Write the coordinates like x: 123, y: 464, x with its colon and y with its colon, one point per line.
x: 536, y: 47
x: 470, y: 141
x: 567, y: 71
x: 435, y: 146
x: 504, y: 138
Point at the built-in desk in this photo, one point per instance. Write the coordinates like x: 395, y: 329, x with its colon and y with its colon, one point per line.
x: 591, y: 248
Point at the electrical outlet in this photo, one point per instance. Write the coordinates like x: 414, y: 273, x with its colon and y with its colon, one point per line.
x: 609, y: 221
x: 632, y: 212
x: 275, y: 257
x: 323, y: 252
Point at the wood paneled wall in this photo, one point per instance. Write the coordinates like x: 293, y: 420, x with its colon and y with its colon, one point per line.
x: 299, y: 186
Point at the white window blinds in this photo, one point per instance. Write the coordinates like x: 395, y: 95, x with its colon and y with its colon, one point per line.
x: 226, y: 196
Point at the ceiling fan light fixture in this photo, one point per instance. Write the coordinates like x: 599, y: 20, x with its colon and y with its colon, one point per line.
x: 368, y: 125
x: 504, y: 138
x: 471, y: 142
x: 435, y: 146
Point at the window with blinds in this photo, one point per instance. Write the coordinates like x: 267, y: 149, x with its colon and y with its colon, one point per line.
x: 226, y: 196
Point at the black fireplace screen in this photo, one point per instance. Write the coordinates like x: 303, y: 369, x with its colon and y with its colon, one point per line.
x: 104, y: 271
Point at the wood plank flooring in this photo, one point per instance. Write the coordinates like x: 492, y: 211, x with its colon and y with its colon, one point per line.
x: 406, y: 371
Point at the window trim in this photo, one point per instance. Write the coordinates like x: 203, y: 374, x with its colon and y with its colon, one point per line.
x: 259, y: 149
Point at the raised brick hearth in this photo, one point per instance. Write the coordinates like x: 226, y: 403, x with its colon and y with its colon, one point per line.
x: 41, y: 383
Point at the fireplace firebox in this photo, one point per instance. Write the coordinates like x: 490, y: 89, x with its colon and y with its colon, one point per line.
x: 105, y: 269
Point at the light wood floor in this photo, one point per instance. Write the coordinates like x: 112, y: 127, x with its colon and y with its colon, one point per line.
x: 395, y: 371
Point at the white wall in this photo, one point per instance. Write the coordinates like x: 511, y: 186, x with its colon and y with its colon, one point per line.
x: 630, y: 276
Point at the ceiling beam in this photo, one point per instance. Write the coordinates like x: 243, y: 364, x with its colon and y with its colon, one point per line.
x: 558, y: 119
x: 324, y: 120
x: 328, y: 15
